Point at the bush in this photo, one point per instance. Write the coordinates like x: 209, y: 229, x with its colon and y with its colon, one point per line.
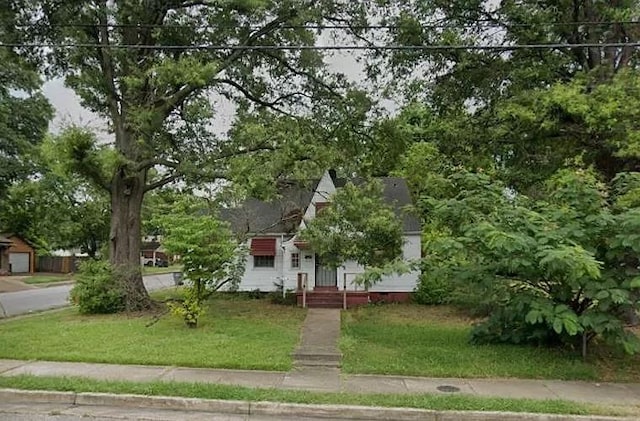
x: 289, y: 298
x: 433, y: 290
x: 96, y: 290
x: 277, y: 296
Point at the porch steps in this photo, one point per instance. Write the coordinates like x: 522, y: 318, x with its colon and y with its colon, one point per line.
x: 332, y: 299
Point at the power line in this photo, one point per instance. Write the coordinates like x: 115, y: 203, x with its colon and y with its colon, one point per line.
x: 342, y: 26
x: 438, y: 47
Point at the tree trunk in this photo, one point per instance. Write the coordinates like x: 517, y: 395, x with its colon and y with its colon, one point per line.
x: 127, y: 192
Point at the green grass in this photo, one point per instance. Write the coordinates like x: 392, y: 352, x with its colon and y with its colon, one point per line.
x: 47, y: 279
x: 232, y: 334
x: 153, y: 270
x: 219, y: 391
x: 434, y: 341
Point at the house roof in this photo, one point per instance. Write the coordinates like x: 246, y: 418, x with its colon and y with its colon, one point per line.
x: 280, y: 215
x: 284, y: 214
x: 4, y: 241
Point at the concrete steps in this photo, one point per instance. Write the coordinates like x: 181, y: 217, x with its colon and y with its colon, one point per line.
x: 333, y: 299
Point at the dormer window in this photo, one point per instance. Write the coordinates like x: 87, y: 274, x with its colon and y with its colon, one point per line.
x: 320, y: 206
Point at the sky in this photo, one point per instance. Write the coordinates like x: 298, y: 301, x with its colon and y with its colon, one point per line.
x: 69, y: 111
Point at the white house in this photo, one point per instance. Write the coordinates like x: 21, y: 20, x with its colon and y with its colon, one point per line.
x: 277, y: 255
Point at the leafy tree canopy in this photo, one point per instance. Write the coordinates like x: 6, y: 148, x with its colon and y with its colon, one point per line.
x: 358, y: 225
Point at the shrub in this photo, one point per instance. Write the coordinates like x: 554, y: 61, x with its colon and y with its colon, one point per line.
x: 433, y: 290
x: 278, y: 297
x: 96, y: 290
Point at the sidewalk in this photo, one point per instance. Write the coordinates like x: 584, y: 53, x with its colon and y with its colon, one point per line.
x: 316, y: 368
x: 586, y: 392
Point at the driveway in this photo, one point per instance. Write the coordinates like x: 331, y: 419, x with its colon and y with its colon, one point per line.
x: 13, y: 283
x: 38, y: 299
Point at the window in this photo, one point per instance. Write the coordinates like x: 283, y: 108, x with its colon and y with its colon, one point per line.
x: 295, y: 260
x: 320, y: 206
x: 264, y: 261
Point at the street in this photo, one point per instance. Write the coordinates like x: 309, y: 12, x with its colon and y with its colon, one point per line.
x: 22, y: 302
x: 62, y: 412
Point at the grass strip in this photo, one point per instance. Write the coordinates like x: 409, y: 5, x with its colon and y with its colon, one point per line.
x: 46, y: 279
x: 227, y: 392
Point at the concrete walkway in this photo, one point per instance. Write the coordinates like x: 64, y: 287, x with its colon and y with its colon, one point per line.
x: 316, y: 361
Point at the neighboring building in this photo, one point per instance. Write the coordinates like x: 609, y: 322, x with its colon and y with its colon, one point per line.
x: 152, y: 252
x: 277, y: 255
x: 5, y: 243
x: 19, y: 254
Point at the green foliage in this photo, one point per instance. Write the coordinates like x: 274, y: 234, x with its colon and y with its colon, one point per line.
x: 189, y: 309
x: 359, y: 226
x: 549, y: 270
x: 282, y: 297
x: 57, y: 209
x: 432, y: 290
x: 210, y: 256
x: 24, y: 111
x: 96, y: 290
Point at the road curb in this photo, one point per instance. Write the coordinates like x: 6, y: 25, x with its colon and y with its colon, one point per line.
x: 277, y: 408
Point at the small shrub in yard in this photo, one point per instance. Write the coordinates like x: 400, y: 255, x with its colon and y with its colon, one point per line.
x: 96, y: 290
x: 433, y: 290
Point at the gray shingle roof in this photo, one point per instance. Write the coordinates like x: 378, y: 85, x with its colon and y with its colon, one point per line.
x: 284, y: 214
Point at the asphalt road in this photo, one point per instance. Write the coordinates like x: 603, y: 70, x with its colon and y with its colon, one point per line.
x: 31, y: 300
x: 61, y: 412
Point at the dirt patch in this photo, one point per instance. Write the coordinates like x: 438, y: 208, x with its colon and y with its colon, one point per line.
x: 13, y: 283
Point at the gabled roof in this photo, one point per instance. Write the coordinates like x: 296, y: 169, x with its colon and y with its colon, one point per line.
x: 283, y: 215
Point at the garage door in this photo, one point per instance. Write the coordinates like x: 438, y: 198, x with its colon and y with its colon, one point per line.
x: 19, y: 262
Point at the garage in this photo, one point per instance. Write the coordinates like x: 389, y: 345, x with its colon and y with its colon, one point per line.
x: 19, y: 262
x: 19, y: 254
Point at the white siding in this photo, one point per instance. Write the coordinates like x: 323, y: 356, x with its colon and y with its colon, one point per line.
x: 411, y: 250
x: 262, y: 278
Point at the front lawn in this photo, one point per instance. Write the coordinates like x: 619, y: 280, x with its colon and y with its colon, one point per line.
x: 434, y: 341
x: 156, y: 270
x: 233, y: 333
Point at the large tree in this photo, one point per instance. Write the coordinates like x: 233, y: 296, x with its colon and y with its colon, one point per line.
x: 493, y: 102
x: 126, y: 62
x: 24, y: 111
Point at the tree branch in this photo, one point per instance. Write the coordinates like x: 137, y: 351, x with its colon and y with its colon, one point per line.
x: 149, y: 163
x: 250, y: 96
x: 179, y: 96
x: 163, y: 181
x: 101, y: 34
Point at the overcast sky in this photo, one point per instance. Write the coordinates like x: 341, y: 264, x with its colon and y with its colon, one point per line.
x: 70, y: 111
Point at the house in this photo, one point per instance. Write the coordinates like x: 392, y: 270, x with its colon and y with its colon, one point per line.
x: 276, y: 254
x: 5, y: 243
x: 16, y: 255
x: 152, y: 252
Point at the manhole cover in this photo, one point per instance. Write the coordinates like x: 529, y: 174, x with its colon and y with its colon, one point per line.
x: 448, y: 389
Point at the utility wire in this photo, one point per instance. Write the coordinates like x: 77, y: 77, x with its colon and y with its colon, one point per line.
x: 343, y: 26
x: 437, y: 47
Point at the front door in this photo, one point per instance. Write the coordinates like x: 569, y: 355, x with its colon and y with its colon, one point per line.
x: 326, y: 277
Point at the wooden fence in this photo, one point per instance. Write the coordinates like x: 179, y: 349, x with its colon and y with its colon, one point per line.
x: 58, y: 264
